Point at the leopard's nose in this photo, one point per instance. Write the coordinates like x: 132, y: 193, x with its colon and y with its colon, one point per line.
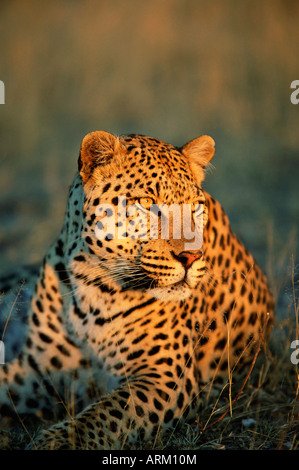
x: 187, y: 257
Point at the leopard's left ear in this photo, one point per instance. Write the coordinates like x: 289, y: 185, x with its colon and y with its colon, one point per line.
x: 97, y: 149
x: 199, y: 151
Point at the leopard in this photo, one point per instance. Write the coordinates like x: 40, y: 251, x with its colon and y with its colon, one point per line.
x: 127, y: 333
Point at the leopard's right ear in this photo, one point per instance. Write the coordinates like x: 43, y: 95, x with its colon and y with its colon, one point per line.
x: 97, y: 149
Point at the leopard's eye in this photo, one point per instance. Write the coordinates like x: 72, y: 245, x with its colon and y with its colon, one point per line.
x: 196, y: 205
x: 146, y: 202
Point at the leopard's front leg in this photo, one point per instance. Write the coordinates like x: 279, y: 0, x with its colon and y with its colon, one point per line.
x: 20, y: 386
x: 28, y: 383
x: 127, y: 417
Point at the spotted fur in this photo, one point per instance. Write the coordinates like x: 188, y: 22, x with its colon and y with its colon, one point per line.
x: 128, y: 334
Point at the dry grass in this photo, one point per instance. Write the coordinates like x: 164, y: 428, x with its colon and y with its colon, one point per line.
x: 172, y: 71
x: 265, y: 415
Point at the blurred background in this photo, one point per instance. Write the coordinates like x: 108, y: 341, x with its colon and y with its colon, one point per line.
x: 171, y: 69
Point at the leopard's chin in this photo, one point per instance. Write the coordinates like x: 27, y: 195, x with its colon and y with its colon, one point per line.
x: 175, y: 292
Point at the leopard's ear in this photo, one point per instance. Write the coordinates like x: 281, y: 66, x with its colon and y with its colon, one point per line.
x: 97, y: 148
x: 200, y: 151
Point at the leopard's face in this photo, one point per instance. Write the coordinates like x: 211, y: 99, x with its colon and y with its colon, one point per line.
x: 144, y: 216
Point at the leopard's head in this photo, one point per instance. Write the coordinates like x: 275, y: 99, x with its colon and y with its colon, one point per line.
x: 144, y: 213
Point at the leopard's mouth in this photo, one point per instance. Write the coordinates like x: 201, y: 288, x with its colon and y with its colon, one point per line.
x: 176, y: 291
x: 173, y: 292
x: 158, y: 287
x: 179, y: 290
